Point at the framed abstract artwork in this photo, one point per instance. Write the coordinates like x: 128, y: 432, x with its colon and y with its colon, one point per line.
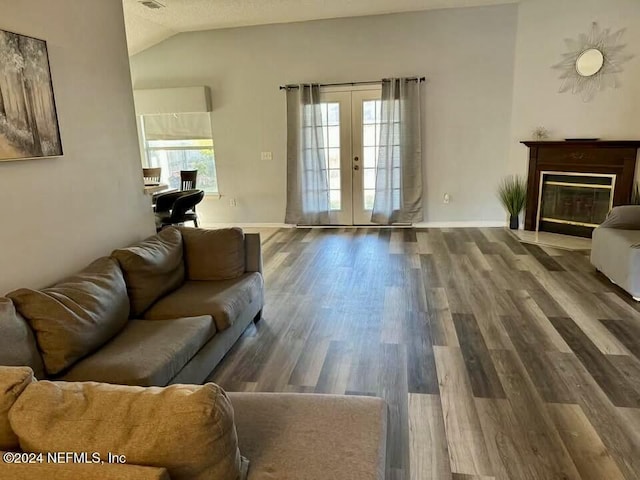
x: 28, y: 119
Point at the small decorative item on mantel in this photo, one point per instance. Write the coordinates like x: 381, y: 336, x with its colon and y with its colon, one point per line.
x: 540, y: 133
x: 512, y: 192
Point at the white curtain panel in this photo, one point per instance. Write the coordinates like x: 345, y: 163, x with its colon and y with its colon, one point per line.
x: 398, y: 197
x: 307, y: 182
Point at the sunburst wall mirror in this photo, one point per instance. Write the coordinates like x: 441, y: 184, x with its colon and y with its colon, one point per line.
x: 592, y: 62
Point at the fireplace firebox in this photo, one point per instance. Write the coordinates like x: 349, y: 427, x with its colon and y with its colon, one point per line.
x: 572, y: 185
x: 579, y: 202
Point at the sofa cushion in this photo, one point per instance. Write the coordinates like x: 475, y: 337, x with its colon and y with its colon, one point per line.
x: 81, y: 471
x: 145, y: 353
x: 78, y: 315
x: 626, y: 217
x: 213, y: 254
x: 223, y: 300
x: 17, y: 342
x: 187, y: 429
x: 13, y: 381
x: 289, y: 436
x: 152, y: 268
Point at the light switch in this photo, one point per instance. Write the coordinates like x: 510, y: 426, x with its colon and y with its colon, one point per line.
x: 266, y: 156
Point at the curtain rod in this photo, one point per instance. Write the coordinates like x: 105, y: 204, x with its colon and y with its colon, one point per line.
x: 370, y: 82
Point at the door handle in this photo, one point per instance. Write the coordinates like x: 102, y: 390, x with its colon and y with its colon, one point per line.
x: 357, y: 167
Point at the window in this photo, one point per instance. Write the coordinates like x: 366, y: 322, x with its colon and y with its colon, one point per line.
x: 372, y: 122
x: 181, y: 141
x: 330, y: 125
x: 331, y: 136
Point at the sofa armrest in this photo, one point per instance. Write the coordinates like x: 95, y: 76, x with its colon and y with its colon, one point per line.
x: 85, y: 471
x: 253, y: 252
x: 624, y: 217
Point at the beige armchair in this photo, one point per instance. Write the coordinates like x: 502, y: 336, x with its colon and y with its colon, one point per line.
x: 615, y: 250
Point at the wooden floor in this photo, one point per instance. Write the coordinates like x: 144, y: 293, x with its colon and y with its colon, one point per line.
x: 498, y: 360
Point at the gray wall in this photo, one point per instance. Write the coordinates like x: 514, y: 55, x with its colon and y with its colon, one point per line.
x: 466, y: 54
x: 58, y: 214
x: 542, y: 27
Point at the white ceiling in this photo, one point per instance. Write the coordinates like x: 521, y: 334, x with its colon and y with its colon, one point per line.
x: 146, y: 27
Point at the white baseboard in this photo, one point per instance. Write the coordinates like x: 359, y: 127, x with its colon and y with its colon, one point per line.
x: 246, y: 225
x: 464, y: 224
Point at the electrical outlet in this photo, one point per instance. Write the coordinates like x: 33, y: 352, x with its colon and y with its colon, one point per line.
x: 446, y: 198
x: 232, y: 202
x: 266, y: 156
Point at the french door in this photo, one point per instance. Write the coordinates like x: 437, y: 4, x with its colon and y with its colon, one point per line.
x: 351, y: 120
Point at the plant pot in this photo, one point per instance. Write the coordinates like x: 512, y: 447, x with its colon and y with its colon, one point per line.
x: 514, y: 222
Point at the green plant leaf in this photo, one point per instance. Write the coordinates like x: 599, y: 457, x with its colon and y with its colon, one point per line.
x: 512, y: 192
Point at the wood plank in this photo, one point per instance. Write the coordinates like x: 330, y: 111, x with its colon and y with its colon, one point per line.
x: 627, y: 331
x: 535, y: 326
x: 424, y: 245
x: 334, y: 375
x: 611, y: 424
x: 429, y: 457
x: 467, y: 449
x: 545, y: 260
x: 460, y: 476
x: 539, y: 366
x: 443, y: 331
x: 576, y: 308
x: 309, y: 365
x: 510, y: 453
x: 392, y: 386
x: 585, y: 446
x: 421, y: 375
x: 612, y: 382
x: 553, y: 460
x: 482, y: 374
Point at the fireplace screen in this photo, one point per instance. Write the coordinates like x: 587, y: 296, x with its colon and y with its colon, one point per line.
x: 570, y: 199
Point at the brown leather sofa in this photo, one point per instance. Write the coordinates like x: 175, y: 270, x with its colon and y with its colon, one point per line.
x: 163, y: 311
x: 186, y: 432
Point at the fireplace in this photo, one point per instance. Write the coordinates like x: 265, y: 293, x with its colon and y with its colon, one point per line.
x: 572, y: 185
x: 574, y: 203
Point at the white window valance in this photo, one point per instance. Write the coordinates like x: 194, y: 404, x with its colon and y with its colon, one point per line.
x: 172, y: 100
x: 177, y: 126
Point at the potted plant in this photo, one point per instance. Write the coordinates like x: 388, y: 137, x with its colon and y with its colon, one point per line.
x: 635, y: 195
x: 512, y: 192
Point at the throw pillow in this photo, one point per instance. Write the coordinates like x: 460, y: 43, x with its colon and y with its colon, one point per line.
x: 78, y: 315
x: 213, y: 254
x: 187, y: 429
x: 17, y: 341
x: 152, y: 268
x: 625, y: 217
x: 13, y: 381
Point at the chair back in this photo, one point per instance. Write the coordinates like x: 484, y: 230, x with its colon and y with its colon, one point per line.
x: 165, y: 201
x: 151, y: 175
x: 188, y: 179
x: 184, y: 203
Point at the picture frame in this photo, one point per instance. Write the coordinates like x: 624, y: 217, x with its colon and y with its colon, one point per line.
x: 29, y: 127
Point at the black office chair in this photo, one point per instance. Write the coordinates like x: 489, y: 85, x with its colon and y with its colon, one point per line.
x: 177, y: 207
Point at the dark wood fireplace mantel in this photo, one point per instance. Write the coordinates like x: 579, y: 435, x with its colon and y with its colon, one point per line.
x: 616, y: 157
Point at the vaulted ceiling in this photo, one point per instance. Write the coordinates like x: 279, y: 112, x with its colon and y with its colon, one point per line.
x: 147, y: 27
